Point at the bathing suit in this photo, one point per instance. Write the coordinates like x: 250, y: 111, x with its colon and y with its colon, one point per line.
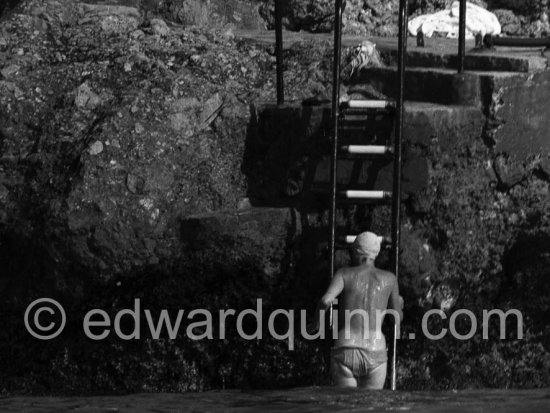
x: 359, y: 360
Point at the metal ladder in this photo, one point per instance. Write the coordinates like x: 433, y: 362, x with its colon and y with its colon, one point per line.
x: 340, y: 109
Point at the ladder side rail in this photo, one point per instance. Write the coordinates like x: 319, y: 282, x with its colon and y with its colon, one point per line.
x: 334, y: 143
x: 398, y: 154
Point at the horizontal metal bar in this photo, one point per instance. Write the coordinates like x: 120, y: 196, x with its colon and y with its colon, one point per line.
x: 491, y: 41
x: 374, y: 195
x: 367, y: 104
x: 366, y: 149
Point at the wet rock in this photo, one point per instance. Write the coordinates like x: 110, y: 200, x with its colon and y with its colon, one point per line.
x: 184, y: 114
x: 443, y: 297
x: 237, y: 13
x: 422, y: 201
x: 137, y: 34
x: 508, y: 171
x: 138, y: 128
x: 210, y: 109
x: 96, y: 148
x: 159, y: 27
x: 158, y: 179
x: 111, y: 18
x: 86, y: 98
x: 134, y: 184
x: 418, y: 265
x: 241, y: 14
x: 4, y: 192
x: 10, y: 71
x: 13, y: 88
x: 188, y: 12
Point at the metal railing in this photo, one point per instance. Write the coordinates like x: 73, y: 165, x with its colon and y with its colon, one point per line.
x: 397, y: 171
x: 490, y: 41
x: 338, y: 5
x: 461, y: 36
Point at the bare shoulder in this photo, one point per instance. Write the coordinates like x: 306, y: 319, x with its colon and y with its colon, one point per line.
x: 342, y: 272
x: 386, y: 275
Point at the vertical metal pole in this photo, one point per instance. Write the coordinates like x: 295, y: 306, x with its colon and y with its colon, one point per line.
x: 462, y: 36
x: 335, y: 124
x: 279, y: 50
x: 396, y: 200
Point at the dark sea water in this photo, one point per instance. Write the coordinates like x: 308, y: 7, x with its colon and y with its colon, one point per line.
x: 295, y: 400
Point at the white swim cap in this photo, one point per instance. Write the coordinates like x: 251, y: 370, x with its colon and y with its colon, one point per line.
x: 367, y: 244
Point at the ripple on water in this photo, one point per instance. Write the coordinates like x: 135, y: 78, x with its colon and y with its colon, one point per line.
x: 295, y: 400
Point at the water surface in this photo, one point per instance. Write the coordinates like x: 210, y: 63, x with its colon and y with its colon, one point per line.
x: 295, y: 400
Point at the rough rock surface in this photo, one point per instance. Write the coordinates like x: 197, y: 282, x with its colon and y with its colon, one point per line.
x: 123, y: 141
x: 113, y: 128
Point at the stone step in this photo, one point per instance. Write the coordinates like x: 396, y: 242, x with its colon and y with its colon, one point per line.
x: 478, y: 61
x: 438, y: 52
x: 436, y: 85
x: 442, y: 53
x: 255, y: 224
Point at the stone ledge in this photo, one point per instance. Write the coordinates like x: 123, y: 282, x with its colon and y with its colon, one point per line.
x: 255, y: 224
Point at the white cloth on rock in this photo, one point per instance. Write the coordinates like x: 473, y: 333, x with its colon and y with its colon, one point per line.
x: 478, y: 20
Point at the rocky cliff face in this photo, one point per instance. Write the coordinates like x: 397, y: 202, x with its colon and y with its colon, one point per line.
x: 114, y: 128
x: 373, y: 17
x: 127, y: 157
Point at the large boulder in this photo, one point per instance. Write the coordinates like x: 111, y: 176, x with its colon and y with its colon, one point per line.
x: 238, y: 13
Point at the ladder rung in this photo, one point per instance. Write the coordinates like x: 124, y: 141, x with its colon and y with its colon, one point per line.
x: 372, y: 195
x: 366, y: 150
x: 367, y: 104
x: 350, y: 239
